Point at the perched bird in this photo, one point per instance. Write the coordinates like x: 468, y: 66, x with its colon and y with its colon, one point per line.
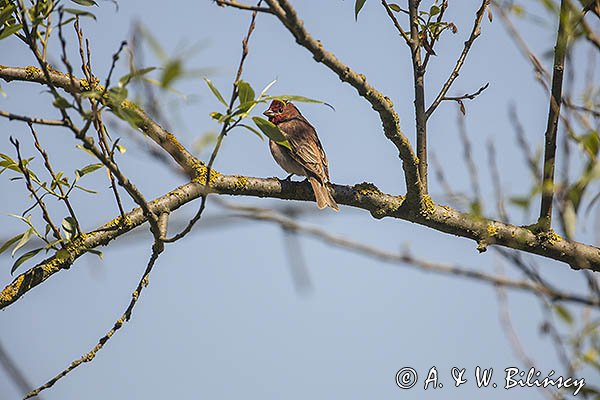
x: 307, y: 157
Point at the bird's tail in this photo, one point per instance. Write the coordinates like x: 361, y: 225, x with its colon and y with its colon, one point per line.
x: 322, y: 194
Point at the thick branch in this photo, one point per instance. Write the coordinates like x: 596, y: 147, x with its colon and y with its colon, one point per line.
x: 380, y: 103
x: 560, y: 51
x: 366, y: 196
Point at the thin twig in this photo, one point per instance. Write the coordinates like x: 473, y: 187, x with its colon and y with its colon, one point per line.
x: 469, y: 161
x: 541, y: 75
x: 496, y: 182
x: 475, y: 32
x: 467, y: 96
x: 523, y: 144
x: 508, y: 328
x: 135, y: 295
x: 33, y: 120
x: 296, y: 260
x: 399, y: 28
x: 235, y: 4
x: 225, y: 128
x: 13, y: 371
x: 458, y: 200
x: 513, y: 337
x: 38, y: 200
x: 405, y: 258
x: 439, y: 19
x: 63, y: 195
x: 101, y: 128
x: 588, y: 31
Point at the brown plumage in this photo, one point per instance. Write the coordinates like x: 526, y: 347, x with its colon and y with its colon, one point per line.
x: 307, y: 157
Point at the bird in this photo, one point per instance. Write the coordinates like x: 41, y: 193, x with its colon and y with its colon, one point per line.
x: 306, y: 157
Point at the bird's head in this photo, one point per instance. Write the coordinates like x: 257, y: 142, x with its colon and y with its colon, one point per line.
x: 281, y: 110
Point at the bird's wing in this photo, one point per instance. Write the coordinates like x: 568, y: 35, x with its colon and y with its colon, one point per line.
x: 306, y: 147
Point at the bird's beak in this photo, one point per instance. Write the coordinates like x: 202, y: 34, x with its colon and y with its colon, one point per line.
x: 269, y: 113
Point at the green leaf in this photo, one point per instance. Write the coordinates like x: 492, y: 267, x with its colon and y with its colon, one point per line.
x: 434, y: 10
x: 590, y: 143
x: 10, y: 242
x: 88, y: 169
x: 521, y: 201
x: 172, y: 71
x: 203, y: 141
x: 128, y: 114
x: 244, y: 109
x: 251, y: 129
x: 216, y: 115
x: 24, y: 258
x: 395, y: 7
x: 264, y: 91
x: 86, y: 3
x: 10, y: 30
x: 517, y: 10
x: 81, y: 147
x: 6, y: 13
x: 272, y: 131
x: 125, y: 79
x: 245, y: 92
x: 215, y: 91
x: 24, y: 239
x: 92, y: 94
x: 569, y: 216
x: 475, y: 208
x: 300, y: 99
x: 117, y: 95
x: 61, y: 102
x: 563, y: 313
x: 69, y: 225
x: 85, y: 189
x: 12, y: 165
x: 80, y: 13
x: 358, y: 5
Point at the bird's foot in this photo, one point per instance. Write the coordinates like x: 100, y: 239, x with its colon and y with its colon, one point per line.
x: 288, y: 178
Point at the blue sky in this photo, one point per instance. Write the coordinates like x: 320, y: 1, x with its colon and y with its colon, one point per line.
x: 221, y: 317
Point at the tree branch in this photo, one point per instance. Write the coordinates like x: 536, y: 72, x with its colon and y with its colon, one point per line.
x: 419, y: 84
x: 235, y: 4
x: 395, y: 22
x: 560, y: 51
x: 33, y: 120
x: 191, y: 165
x: 475, y: 32
x: 380, y: 103
x: 365, y: 196
x: 405, y: 258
